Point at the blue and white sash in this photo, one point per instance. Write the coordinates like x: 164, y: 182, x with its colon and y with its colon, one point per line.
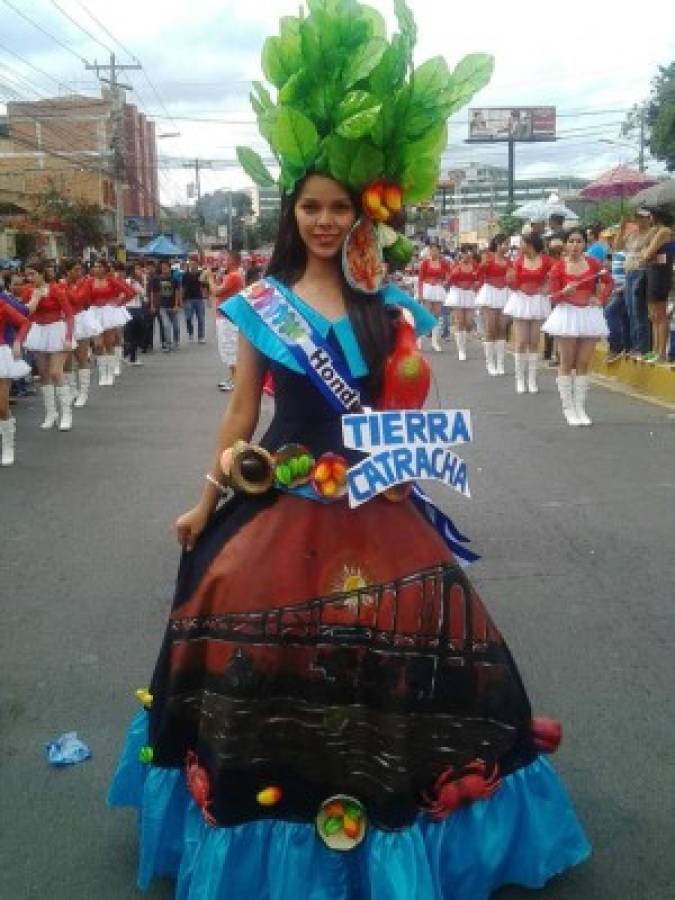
x: 332, y: 379
x: 326, y: 372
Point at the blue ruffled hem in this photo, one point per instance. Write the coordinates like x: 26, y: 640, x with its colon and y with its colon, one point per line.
x: 525, y: 834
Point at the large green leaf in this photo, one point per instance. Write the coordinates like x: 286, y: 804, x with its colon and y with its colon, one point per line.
x: 255, y: 168
x: 262, y: 95
x: 296, y: 88
x: 320, y: 44
x: 383, y: 129
x: 433, y: 143
x: 389, y: 74
x: 289, y: 176
x: 338, y: 152
x: 266, y: 121
x: 406, y: 24
x: 295, y: 137
x: 420, y: 179
x: 282, y: 56
x: 376, y: 25
x: 366, y: 164
x: 321, y: 102
x: 356, y: 114
x: 362, y: 62
x: 273, y: 62
x: 430, y: 80
x: 471, y: 74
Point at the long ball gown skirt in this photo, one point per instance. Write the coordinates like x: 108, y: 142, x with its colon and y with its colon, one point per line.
x: 315, y: 652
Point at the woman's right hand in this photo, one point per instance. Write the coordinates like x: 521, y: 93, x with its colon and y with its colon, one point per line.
x: 190, y: 525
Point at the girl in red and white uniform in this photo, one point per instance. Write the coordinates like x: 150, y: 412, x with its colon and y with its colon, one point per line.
x: 580, y: 287
x: 11, y: 367
x: 461, y: 297
x: 528, y: 306
x: 120, y: 273
x: 51, y: 340
x: 431, y: 288
x: 492, y: 297
x: 86, y: 327
x: 105, y: 293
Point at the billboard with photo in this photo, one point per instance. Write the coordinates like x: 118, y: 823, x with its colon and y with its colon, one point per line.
x: 517, y: 123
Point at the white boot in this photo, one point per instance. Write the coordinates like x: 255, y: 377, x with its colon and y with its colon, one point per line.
x: 490, y: 357
x: 7, y: 432
x: 111, y: 369
x: 533, y: 360
x: 581, y: 384
x: 106, y: 363
x: 500, y: 347
x: 520, y: 360
x: 101, y: 366
x: 435, y: 334
x: 83, y: 392
x: 49, y: 398
x: 65, y: 399
x: 565, y: 390
x: 460, y: 339
x: 117, y: 360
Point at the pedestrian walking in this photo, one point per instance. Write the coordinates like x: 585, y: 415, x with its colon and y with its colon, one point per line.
x: 529, y: 307
x: 491, y: 299
x: 227, y: 333
x: 193, y: 301
x: 579, y: 288
x: 166, y: 298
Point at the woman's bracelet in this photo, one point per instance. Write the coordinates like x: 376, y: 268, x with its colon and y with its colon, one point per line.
x: 220, y: 487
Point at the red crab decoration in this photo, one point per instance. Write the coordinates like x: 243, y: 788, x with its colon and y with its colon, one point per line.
x: 546, y: 734
x: 451, y: 793
x: 199, y: 786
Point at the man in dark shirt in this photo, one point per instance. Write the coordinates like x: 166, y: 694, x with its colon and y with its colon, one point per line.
x: 166, y: 297
x: 193, y: 301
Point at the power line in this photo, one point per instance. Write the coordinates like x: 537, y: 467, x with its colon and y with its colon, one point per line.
x: 43, y: 30
x: 35, y: 68
x: 112, y: 37
x: 81, y: 27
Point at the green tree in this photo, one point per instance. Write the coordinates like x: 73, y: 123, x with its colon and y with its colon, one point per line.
x: 652, y: 124
x: 508, y: 224
x: 606, y: 212
x: 81, y: 223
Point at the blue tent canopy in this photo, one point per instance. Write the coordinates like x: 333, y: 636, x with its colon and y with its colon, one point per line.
x: 161, y: 246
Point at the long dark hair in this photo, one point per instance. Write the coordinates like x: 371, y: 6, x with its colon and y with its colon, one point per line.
x: 367, y: 313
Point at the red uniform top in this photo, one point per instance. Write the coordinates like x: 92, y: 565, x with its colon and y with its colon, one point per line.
x: 530, y: 281
x: 493, y: 271
x: 11, y: 316
x: 108, y: 291
x: 77, y: 297
x: 52, y: 307
x: 232, y: 284
x: 432, y: 272
x: 463, y: 278
x: 595, y: 282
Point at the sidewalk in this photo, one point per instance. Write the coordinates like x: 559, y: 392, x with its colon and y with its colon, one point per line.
x: 654, y: 380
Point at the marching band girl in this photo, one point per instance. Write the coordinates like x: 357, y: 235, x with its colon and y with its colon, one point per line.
x: 14, y: 326
x: 103, y: 292
x: 433, y: 274
x: 461, y: 296
x: 492, y: 297
x: 85, y: 328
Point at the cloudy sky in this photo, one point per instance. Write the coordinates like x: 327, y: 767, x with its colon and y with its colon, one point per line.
x: 199, y: 58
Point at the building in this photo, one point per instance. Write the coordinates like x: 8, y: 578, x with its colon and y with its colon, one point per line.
x: 64, y: 144
x: 470, y: 201
x: 266, y: 201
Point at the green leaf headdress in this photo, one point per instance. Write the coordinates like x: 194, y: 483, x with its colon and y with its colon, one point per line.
x: 350, y: 105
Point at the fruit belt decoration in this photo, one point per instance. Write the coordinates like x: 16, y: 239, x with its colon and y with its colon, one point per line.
x: 347, y: 102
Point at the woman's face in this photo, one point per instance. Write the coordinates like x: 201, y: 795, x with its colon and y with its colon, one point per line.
x: 97, y: 271
x: 324, y: 212
x: 575, y: 245
x: 502, y: 248
x: 435, y: 252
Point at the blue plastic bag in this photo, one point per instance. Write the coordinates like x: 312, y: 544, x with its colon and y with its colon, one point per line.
x: 67, y: 750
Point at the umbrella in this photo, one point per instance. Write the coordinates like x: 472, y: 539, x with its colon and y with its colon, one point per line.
x: 659, y: 196
x: 540, y: 210
x: 620, y: 182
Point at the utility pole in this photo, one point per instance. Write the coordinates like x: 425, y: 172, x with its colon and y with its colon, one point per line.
x: 117, y: 140
x: 198, y: 165
x: 641, y: 157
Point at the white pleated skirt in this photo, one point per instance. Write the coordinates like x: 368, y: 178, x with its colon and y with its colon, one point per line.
x: 48, y: 338
x: 227, y: 337
x: 534, y: 307
x: 86, y: 325
x: 460, y: 298
x: 492, y: 297
x: 568, y: 320
x: 110, y: 316
x: 433, y: 293
x: 10, y: 367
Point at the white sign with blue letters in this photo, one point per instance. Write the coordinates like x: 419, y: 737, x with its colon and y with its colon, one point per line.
x: 405, y: 445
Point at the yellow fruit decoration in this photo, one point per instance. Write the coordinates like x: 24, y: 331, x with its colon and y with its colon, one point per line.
x: 269, y: 796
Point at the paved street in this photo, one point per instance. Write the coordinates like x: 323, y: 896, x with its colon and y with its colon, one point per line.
x: 577, y: 529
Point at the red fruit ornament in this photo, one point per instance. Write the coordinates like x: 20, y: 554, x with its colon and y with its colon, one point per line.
x: 407, y: 374
x: 451, y: 793
x: 199, y: 786
x: 546, y: 734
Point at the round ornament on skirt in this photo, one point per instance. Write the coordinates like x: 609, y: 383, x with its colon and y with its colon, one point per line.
x: 341, y: 822
x: 568, y: 320
x: 11, y: 367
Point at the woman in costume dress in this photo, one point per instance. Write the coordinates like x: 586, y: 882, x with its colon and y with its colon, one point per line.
x: 104, y: 292
x: 288, y: 695
x: 579, y: 288
x: 431, y: 288
x: 461, y: 296
x: 86, y: 327
x: 492, y: 296
x: 528, y: 306
x: 51, y: 339
x: 14, y: 327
